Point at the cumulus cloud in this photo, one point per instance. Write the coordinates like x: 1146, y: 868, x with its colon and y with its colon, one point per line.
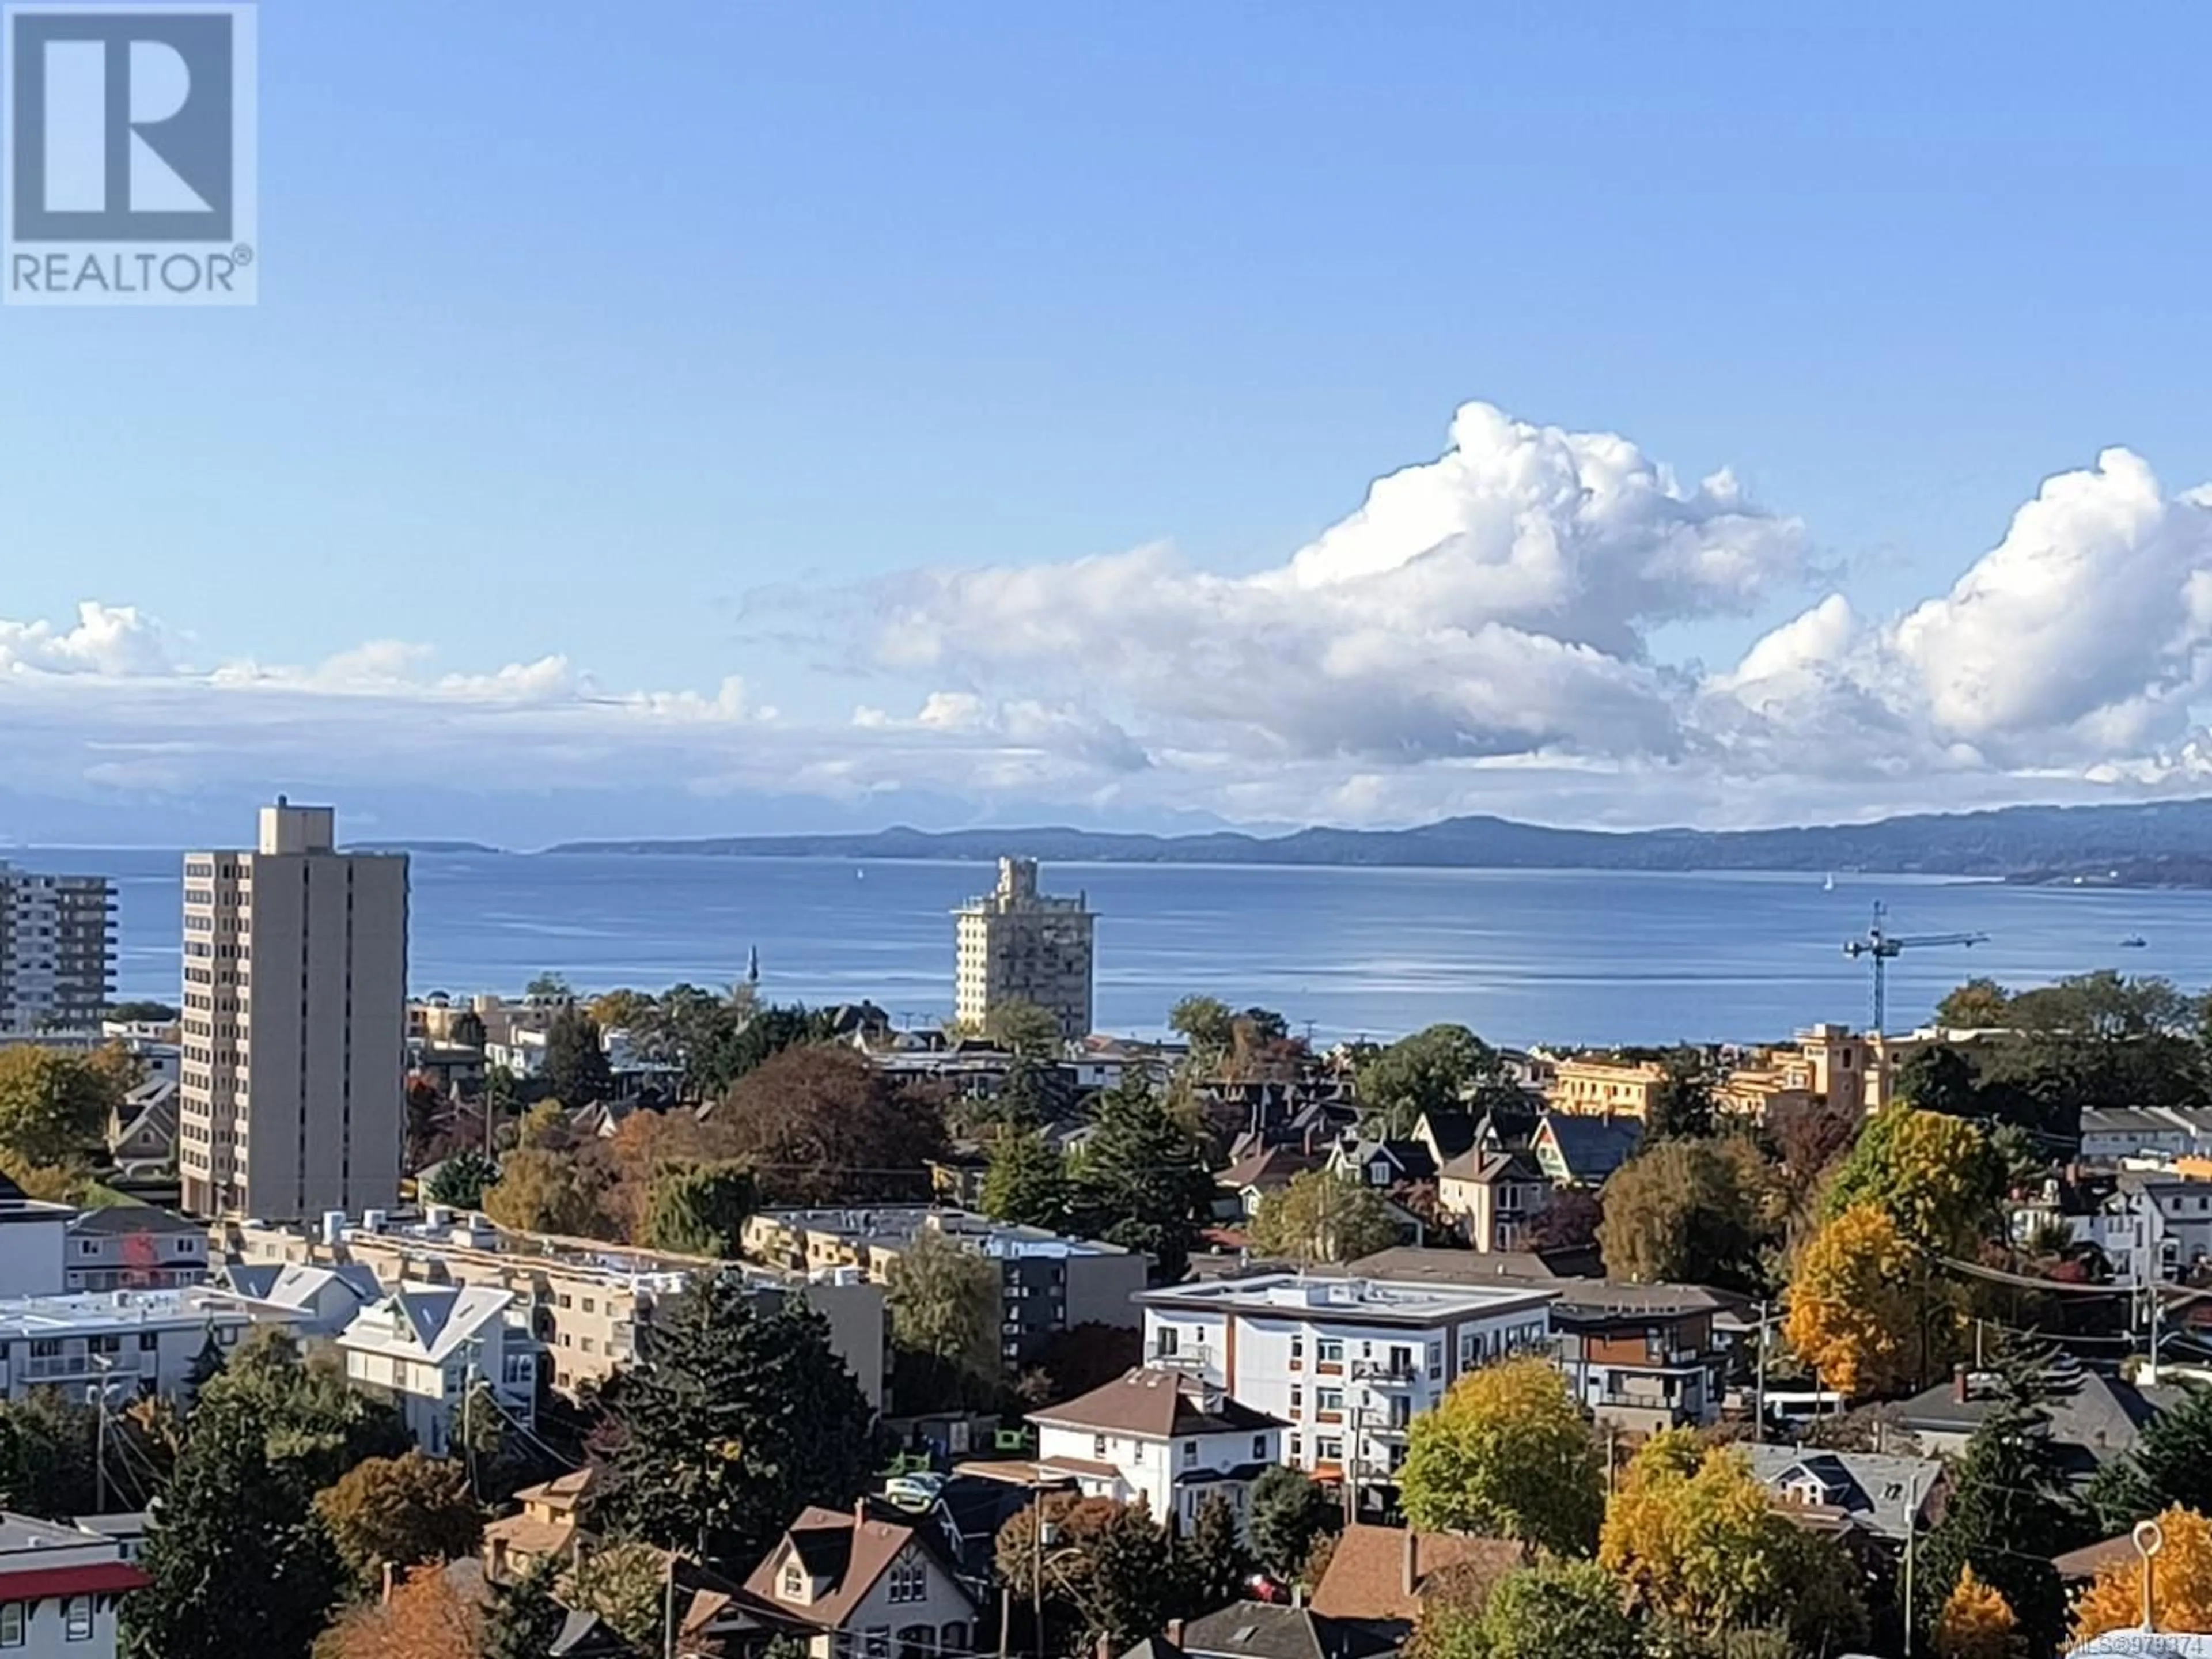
x: 1477, y: 635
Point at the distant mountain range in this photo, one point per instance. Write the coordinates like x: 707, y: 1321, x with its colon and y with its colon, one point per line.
x: 2158, y: 843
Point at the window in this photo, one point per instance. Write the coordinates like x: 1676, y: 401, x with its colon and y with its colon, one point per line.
x: 1099, y: 1446
x: 1329, y: 1449
x: 11, y: 1624
x: 76, y: 1618
x: 1330, y: 1351
x: 1189, y: 1452
x: 1171, y: 1340
x: 1259, y: 1448
x: 1330, y: 1400
x: 876, y: 1642
x: 1297, y: 1397
x: 910, y: 1581
x: 1298, y: 1349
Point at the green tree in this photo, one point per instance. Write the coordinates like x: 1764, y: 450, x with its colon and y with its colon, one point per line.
x: 548, y: 987
x: 1142, y: 1183
x: 1940, y: 1079
x: 53, y: 1106
x: 237, y: 1562
x: 626, y: 1585
x: 2170, y: 1467
x: 1212, y: 1559
x: 1207, y: 1025
x: 1026, y: 1182
x: 1022, y: 1028
x: 1682, y: 1107
x: 1289, y: 1514
x: 944, y: 1304
x: 396, y: 1512
x: 1934, y: 1176
x: 1553, y: 1610
x: 543, y: 1191
x: 1687, y: 1211
x: 1323, y: 1217
x: 1111, y: 1565
x: 736, y: 1419
x: 2009, y: 1511
x: 698, y: 1209
x: 1509, y: 1453
x: 525, y: 1617
x: 1433, y: 1070
x: 576, y: 1068
x: 46, y: 1453
x: 461, y: 1179
x: 1979, y: 1005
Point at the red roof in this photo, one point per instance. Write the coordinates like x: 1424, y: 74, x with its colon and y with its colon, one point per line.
x: 94, y: 1578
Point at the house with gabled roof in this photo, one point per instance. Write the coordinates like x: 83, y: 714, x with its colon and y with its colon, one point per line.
x: 549, y: 1526
x: 854, y: 1585
x: 1578, y: 1150
x: 1161, y: 1435
x: 427, y: 1348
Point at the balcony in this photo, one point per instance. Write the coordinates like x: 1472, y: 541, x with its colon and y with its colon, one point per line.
x: 1384, y: 1374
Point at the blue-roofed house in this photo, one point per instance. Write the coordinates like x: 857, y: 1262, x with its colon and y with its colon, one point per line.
x: 1576, y: 1150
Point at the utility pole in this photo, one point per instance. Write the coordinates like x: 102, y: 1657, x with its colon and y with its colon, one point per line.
x: 1912, y: 1533
x: 99, y: 1442
x: 1759, y: 1382
x: 1036, y: 1566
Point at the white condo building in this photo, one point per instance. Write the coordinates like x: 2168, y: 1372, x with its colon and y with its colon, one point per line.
x: 291, y: 1097
x: 1016, y: 944
x: 56, y: 950
x: 1345, y: 1362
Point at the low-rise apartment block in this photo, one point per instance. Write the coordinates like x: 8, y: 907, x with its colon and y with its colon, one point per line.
x: 144, y: 1342
x: 1346, y: 1363
x: 1642, y: 1357
x: 1047, y: 1282
x: 588, y: 1302
x: 133, y: 1247
x: 61, y: 1590
x: 1596, y: 1087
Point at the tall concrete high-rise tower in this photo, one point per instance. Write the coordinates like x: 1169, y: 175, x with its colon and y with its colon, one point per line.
x: 1016, y: 944
x: 292, y: 1097
x: 57, y: 950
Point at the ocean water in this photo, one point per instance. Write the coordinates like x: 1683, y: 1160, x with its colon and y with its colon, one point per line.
x: 1520, y: 956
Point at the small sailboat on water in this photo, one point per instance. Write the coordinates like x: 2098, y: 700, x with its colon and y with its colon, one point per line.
x: 1829, y: 885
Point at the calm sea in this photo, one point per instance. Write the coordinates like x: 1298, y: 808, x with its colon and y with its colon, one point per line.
x: 1521, y: 957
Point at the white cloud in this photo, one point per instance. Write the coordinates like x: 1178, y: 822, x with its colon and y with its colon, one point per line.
x: 1476, y: 635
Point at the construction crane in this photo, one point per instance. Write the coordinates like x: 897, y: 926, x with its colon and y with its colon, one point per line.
x: 1881, y: 945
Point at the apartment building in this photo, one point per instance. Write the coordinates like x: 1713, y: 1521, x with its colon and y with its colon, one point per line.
x: 61, y: 1590
x: 134, y: 1341
x: 1592, y: 1087
x: 1346, y: 1363
x: 56, y: 950
x: 1643, y: 1358
x: 1047, y: 1282
x: 1016, y: 944
x: 133, y: 1247
x: 588, y: 1302
x: 291, y: 1101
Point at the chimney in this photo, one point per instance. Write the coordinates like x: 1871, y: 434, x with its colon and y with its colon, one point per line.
x: 1174, y: 1632
x: 860, y: 1511
x: 1958, y: 1390
x: 1410, y: 1583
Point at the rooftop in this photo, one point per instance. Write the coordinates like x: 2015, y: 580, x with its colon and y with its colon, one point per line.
x: 1162, y: 1405
x: 1364, y: 1300
x: 186, y: 1305
x: 901, y: 1225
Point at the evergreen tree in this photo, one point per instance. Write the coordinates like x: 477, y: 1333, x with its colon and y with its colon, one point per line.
x: 46, y: 1455
x: 576, y: 1069
x: 1142, y: 1183
x: 1213, y: 1561
x: 2170, y: 1468
x: 2008, y: 1514
x: 461, y: 1179
x: 1682, y: 1104
x: 1289, y: 1512
x: 524, y: 1618
x: 1027, y: 1182
x: 735, y: 1420
x: 698, y: 1210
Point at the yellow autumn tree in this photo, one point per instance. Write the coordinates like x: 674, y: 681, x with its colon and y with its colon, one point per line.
x: 1507, y: 1453
x: 1858, y: 1303
x: 2181, y: 1583
x: 1976, y: 1622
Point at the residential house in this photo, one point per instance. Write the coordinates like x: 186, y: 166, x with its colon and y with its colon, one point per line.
x: 147, y: 1342
x: 2090, y: 1419
x: 1345, y: 1362
x: 1271, y: 1630
x: 1493, y: 1196
x: 1265, y: 1170
x: 1376, y: 1575
x: 2150, y: 1228
x: 142, y: 1129
x: 429, y: 1347
x: 1161, y: 1435
x: 856, y: 1586
x: 1643, y: 1358
x: 1382, y: 1162
x: 133, y: 1247
x: 326, y: 1299
x: 1579, y: 1150
x: 61, y: 1590
x: 2112, y: 1133
x: 546, y: 1528
x: 1883, y: 1496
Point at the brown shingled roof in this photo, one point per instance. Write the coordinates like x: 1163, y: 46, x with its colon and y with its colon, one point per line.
x: 1367, y: 1575
x: 852, y: 1553
x: 1162, y: 1405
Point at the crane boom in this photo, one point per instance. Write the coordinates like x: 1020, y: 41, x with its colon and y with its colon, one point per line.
x: 1880, y: 944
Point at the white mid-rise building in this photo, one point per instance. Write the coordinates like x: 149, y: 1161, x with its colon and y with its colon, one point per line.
x: 61, y: 1589
x: 127, y: 1342
x: 428, y: 1347
x: 1346, y: 1363
x: 56, y: 950
x: 291, y: 1097
x: 1016, y: 944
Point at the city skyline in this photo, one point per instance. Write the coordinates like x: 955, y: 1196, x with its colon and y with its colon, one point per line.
x: 1024, y: 437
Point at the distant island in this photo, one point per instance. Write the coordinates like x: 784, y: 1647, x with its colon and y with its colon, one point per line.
x: 2163, y: 843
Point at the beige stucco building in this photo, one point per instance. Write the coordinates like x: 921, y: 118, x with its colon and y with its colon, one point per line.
x: 291, y: 1098
x: 1016, y: 944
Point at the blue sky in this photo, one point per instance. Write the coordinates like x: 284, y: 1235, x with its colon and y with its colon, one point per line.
x: 696, y: 342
